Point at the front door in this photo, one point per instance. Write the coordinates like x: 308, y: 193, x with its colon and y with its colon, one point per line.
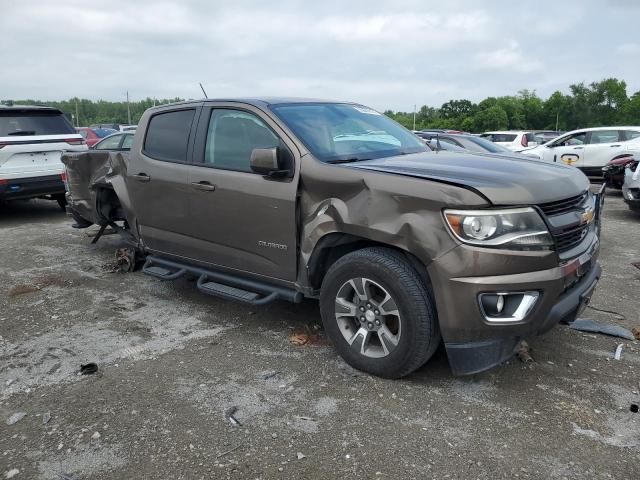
x: 241, y: 220
x: 569, y: 150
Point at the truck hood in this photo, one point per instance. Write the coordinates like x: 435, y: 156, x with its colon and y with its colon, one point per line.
x: 503, y: 181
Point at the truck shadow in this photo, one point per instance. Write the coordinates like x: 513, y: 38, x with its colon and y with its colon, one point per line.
x: 22, y: 211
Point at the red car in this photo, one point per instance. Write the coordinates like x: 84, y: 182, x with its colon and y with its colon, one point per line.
x: 94, y: 135
x: 613, y: 172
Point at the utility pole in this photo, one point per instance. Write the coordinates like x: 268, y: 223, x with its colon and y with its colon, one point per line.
x: 128, y: 110
x: 77, y: 116
x: 557, y: 115
x: 414, y: 116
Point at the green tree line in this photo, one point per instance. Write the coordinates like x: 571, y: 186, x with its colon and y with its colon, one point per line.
x: 603, y: 103
x: 90, y: 112
x: 597, y: 104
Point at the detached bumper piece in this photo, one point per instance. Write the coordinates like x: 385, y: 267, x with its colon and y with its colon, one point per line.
x: 219, y: 284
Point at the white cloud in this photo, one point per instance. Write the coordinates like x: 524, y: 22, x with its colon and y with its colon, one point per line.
x: 510, y: 58
x: 386, y: 54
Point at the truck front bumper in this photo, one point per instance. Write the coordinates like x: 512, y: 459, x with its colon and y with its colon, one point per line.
x: 474, y: 342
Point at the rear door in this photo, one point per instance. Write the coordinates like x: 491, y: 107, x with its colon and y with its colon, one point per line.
x: 602, y: 146
x: 157, y: 179
x: 240, y: 220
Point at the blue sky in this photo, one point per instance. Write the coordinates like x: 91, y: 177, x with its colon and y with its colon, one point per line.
x: 381, y: 53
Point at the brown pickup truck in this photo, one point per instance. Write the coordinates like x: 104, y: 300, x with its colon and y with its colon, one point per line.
x: 266, y: 199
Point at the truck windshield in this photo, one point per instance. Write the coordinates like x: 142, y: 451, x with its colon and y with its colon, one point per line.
x: 340, y: 132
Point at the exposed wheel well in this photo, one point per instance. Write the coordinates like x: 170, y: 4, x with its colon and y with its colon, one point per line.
x: 108, y: 205
x: 333, y: 246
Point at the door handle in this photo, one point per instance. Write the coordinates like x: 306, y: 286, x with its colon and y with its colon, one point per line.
x: 142, y: 177
x: 614, y: 146
x: 203, y: 186
x: 578, y: 148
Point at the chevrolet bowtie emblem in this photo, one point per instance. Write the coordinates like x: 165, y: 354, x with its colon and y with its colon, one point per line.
x: 587, y: 216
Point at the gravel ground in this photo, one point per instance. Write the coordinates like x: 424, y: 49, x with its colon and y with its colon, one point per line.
x: 174, y: 363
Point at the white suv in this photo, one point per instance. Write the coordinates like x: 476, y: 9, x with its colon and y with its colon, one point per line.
x: 32, y: 139
x: 513, y: 140
x: 589, y: 149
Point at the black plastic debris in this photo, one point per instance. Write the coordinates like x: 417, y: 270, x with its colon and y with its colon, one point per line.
x: 229, y: 414
x: 588, y: 325
x: 88, y: 369
x: 634, y: 408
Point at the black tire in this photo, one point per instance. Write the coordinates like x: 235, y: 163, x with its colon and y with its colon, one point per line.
x: 420, y: 335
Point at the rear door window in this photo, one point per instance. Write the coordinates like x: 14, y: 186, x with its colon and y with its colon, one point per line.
x: 604, y: 136
x: 168, y: 135
x: 15, y: 123
x: 631, y: 134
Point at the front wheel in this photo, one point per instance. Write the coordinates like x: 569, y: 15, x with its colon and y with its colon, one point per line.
x: 378, y: 313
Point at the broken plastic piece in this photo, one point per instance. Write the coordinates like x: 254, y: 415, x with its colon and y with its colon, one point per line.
x: 618, y: 353
x: 588, y: 325
x: 229, y: 412
x: 88, y: 369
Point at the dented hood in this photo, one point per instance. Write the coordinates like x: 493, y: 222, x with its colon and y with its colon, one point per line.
x: 502, y: 180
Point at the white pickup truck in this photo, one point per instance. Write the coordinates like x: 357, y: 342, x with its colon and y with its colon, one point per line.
x: 32, y: 140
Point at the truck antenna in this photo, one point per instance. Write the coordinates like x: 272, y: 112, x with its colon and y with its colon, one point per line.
x: 202, y: 88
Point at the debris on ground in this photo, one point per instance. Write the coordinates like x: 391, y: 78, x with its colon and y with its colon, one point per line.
x: 16, y: 417
x: 618, y: 353
x: 268, y: 375
x: 38, y: 284
x: 588, y: 325
x: 524, y: 352
x: 95, y: 436
x: 228, y: 451
x: 300, y: 338
x: 300, y: 455
x: 88, y: 369
x: 46, y: 417
x: 636, y: 332
x: 229, y: 415
x: 634, y: 408
x: 12, y: 473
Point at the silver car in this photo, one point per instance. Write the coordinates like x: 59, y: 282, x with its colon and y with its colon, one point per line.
x: 631, y: 187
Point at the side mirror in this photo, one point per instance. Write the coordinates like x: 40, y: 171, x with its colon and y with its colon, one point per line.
x: 267, y: 162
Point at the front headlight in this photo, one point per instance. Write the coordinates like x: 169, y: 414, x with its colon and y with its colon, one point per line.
x: 513, y: 228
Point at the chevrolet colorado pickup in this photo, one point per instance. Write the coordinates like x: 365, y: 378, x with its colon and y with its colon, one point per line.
x: 278, y: 198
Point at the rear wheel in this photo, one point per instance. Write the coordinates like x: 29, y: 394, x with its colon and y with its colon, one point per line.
x: 378, y: 313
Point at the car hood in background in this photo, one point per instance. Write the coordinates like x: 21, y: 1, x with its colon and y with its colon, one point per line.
x: 503, y: 180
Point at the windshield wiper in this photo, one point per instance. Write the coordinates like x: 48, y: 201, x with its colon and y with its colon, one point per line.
x: 22, y: 132
x: 348, y: 160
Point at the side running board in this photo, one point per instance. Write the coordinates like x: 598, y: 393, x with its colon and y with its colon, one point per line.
x: 220, y: 284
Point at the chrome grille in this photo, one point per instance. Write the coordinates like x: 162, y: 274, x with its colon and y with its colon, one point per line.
x: 563, y: 206
x: 569, y: 239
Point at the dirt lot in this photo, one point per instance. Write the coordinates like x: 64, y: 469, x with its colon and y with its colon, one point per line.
x: 172, y: 362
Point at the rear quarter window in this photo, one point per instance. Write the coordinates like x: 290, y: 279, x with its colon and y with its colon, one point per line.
x: 33, y: 122
x: 168, y: 135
